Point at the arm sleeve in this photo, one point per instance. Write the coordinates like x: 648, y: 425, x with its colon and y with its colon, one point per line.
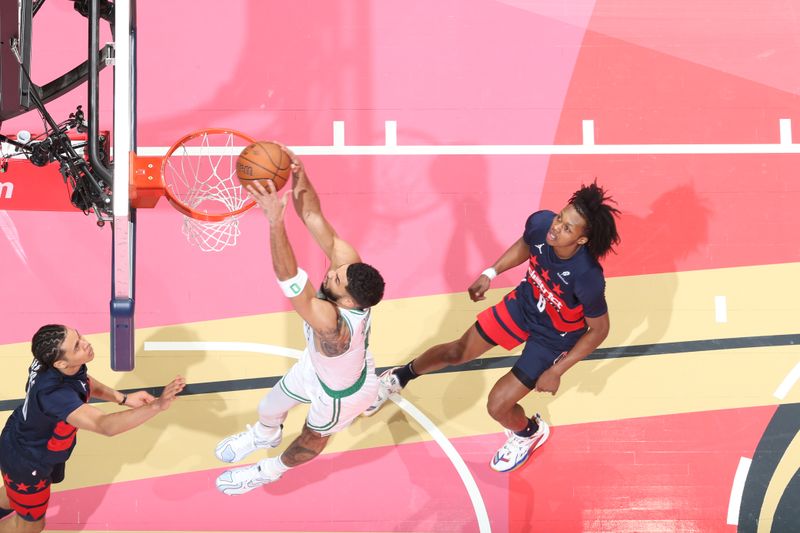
x: 590, y: 290
x: 59, y: 403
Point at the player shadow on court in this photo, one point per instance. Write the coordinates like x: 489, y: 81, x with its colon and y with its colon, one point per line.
x: 225, y: 99
x: 460, y: 192
x: 675, y: 228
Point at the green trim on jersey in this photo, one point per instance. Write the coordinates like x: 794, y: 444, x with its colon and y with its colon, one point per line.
x: 352, y: 389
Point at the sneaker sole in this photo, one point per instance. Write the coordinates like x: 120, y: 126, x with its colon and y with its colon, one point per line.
x: 369, y: 411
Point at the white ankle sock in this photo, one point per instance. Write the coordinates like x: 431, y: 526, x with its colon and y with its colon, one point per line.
x: 272, y: 467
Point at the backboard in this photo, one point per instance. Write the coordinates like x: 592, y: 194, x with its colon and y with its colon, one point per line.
x: 103, y: 190
x: 123, y: 256
x: 15, y: 35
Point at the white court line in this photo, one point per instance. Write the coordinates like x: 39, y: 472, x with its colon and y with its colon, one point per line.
x: 786, y: 130
x: 737, y: 489
x: 338, y: 133
x: 452, y: 454
x: 253, y: 347
x: 268, y: 349
x: 503, y: 149
x: 787, y: 383
x: 588, y: 132
x: 390, y: 132
x: 721, y: 309
x: 588, y: 147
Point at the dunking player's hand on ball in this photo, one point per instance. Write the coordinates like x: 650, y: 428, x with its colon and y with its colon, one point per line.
x: 272, y: 204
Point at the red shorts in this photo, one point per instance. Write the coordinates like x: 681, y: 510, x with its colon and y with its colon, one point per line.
x: 28, y: 490
x: 500, y: 327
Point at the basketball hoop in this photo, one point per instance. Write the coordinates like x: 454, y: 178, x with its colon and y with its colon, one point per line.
x: 198, y: 177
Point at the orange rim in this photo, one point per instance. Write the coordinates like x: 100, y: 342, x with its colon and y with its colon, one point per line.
x: 177, y: 203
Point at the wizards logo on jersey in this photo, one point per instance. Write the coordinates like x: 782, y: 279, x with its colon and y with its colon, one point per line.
x: 546, y: 291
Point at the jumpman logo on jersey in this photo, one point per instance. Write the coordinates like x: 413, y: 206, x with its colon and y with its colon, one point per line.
x: 539, y: 247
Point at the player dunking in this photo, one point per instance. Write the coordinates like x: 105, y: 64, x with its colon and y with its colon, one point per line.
x: 336, y: 373
x: 559, y: 311
x: 40, y: 434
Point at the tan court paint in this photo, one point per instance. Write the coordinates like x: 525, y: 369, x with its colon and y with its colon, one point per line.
x: 645, y: 309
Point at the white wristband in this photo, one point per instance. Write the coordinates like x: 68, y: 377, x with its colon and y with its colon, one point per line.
x: 490, y: 273
x: 294, y: 286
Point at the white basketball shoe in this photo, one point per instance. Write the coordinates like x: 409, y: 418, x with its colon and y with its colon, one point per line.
x: 236, y: 447
x: 388, y: 384
x: 516, y: 450
x: 246, y: 478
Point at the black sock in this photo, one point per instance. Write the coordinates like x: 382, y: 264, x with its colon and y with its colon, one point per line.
x: 405, y: 374
x: 5, y: 512
x: 529, y: 430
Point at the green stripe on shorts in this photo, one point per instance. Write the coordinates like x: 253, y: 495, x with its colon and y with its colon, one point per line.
x: 337, y: 409
x: 291, y: 394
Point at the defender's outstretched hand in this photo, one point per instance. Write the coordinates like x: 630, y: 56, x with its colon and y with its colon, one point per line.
x: 138, y: 399
x: 169, y: 393
x: 268, y: 200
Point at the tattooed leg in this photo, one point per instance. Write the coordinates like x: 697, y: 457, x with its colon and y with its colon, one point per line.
x: 304, y: 448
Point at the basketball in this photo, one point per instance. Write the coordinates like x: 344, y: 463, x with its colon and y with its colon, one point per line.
x: 262, y: 161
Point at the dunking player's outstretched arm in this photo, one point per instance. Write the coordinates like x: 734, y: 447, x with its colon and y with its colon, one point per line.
x: 307, y: 204
x: 320, y: 315
x: 516, y: 254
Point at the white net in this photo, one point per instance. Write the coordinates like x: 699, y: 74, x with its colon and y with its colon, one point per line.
x: 200, y: 177
x: 211, y: 236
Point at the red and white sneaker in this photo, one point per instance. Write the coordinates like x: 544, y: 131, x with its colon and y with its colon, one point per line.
x: 388, y: 384
x: 517, y: 449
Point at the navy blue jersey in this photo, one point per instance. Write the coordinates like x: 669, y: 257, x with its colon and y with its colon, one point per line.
x: 38, y: 428
x: 558, y: 293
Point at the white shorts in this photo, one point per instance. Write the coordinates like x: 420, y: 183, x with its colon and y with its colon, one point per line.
x: 330, y: 411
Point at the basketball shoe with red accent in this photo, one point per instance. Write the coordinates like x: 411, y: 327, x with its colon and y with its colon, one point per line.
x: 517, y: 449
x: 388, y: 384
x: 236, y: 447
x: 246, y: 478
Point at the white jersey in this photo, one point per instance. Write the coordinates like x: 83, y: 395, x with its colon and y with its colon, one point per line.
x: 341, y: 372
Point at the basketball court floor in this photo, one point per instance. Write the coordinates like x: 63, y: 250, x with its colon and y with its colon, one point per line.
x: 432, y: 130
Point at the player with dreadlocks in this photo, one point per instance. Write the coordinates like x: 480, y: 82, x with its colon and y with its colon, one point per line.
x: 40, y: 434
x: 558, y: 310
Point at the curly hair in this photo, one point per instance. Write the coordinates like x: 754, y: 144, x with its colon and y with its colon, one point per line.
x: 365, y: 284
x: 594, y: 206
x: 46, y: 344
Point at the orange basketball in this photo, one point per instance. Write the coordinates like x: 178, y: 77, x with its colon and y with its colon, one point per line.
x: 262, y: 161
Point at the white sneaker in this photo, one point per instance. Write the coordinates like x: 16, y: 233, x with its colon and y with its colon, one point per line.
x: 236, y: 447
x: 246, y: 478
x: 517, y: 449
x: 388, y: 384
